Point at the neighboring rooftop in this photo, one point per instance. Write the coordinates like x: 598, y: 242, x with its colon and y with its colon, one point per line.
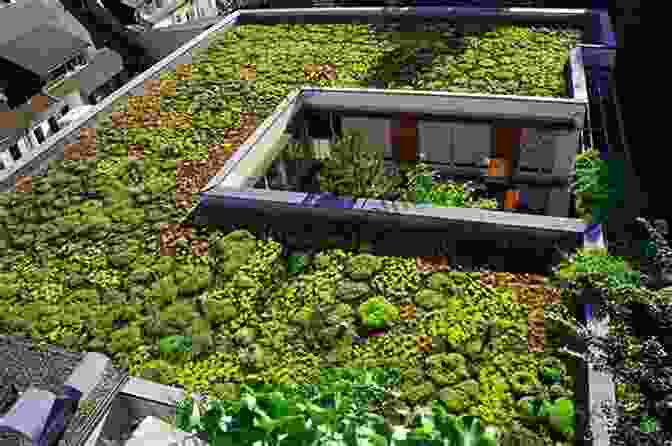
x: 42, y: 49
x: 14, y: 123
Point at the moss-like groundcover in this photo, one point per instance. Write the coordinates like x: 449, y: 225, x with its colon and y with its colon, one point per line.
x: 505, y: 60
x: 249, y: 321
x: 82, y: 264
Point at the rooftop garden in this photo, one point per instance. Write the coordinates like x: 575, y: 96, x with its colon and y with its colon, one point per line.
x: 96, y: 258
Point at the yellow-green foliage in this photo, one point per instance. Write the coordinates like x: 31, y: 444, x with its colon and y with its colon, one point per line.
x: 384, y: 351
x: 317, y: 285
x: 467, y: 311
x: 363, y: 266
x: 495, y: 400
x: 126, y: 339
x: 376, y: 312
x: 448, y: 368
x: 399, y: 277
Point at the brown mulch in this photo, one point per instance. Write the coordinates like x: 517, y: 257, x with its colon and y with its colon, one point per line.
x: 199, y: 247
x: 85, y: 149
x: 170, y: 234
x: 432, y: 264
x: 183, y: 72
x: 424, y: 343
x: 314, y: 72
x: 407, y: 312
x: 532, y: 290
x: 248, y: 72
x: 136, y: 152
x: 24, y: 184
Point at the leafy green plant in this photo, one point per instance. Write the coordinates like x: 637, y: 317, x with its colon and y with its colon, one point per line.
x: 560, y: 414
x: 376, y: 312
x: 296, y: 263
x: 648, y: 424
x: 445, y: 428
x: 590, y: 175
x: 266, y: 419
x: 562, y: 417
x: 451, y: 194
x: 272, y: 418
x: 175, y: 344
x: 297, y: 415
x: 598, y: 185
x: 551, y: 375
x: 423, y: 189
x: 599, y: 263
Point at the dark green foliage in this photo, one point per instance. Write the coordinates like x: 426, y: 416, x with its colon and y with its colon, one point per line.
x: 355, y: 169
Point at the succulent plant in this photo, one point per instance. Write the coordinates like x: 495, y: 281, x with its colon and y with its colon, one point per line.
x: 377, y: 312
x: 175, y: 344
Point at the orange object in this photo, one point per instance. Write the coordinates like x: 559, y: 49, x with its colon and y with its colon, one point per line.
x: 507, y: 146
x: 499, y: 167
x: 511, y: 199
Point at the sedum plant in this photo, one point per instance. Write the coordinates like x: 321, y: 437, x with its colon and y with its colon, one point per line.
x: 376, y: 312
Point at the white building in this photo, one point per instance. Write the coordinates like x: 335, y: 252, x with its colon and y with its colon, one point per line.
x: 164, y: 13
x: 76, y: 74
x: 30, y: 131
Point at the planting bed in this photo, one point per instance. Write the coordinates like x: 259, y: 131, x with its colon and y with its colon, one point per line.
x: 298, y: 170
x: 505, y: 60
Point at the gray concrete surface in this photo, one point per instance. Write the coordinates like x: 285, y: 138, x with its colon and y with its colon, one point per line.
x: 25, y: 15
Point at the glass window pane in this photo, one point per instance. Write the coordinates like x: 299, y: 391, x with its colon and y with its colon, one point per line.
x: 53, y: 125
x: 39, y: 135
x: 15, y: 152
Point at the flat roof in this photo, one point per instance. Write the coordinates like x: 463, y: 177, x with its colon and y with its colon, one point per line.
x: 42, y: 49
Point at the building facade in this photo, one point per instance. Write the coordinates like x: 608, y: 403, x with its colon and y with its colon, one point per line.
x: 73, y: 74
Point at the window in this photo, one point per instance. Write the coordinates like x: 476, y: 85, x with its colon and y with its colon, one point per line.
x: 53, y: 125
x: 2, y: 165
x: 39, y: 135
x: 15, y: 152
